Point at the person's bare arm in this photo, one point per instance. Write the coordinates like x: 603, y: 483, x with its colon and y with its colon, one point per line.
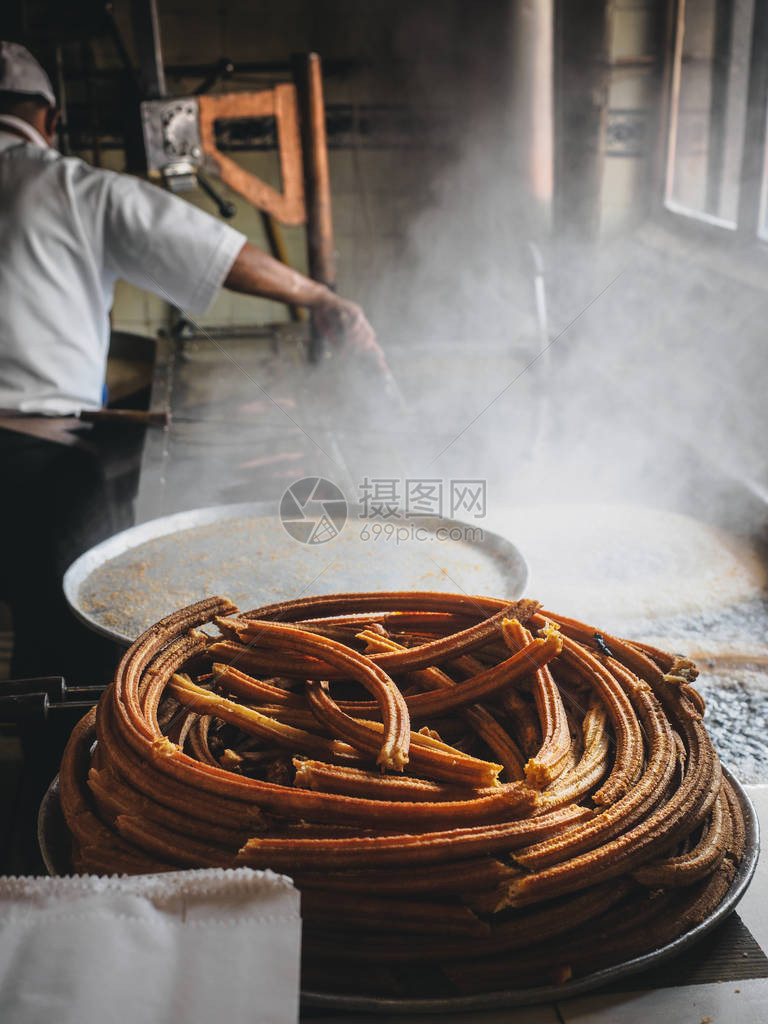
x: 340, y: 321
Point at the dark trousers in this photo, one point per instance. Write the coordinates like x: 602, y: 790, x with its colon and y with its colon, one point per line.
x: 54, y: 505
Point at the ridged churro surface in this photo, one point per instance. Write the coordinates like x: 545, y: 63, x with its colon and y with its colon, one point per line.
x: 471, y: 794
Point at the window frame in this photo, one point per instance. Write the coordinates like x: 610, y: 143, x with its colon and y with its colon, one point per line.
x: 752, y: 208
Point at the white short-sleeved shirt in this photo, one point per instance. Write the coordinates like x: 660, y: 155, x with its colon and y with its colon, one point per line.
x: 68, y: 231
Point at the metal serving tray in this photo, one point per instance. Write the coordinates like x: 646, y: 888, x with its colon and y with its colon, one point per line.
x: 56, y: 850
x: 123, y: 585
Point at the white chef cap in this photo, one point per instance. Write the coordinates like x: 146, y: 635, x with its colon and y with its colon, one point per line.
x: 21, y: 73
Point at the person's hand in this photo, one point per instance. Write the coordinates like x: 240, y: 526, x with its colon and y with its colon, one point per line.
x: 344, y: 324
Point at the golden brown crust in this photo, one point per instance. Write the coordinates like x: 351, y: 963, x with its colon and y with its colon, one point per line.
x: 289, y: 746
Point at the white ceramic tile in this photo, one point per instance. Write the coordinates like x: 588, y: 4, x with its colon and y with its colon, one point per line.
x: 753, y: 908
x: 732, y: 1002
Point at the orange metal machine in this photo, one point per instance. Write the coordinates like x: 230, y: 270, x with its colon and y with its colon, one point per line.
x: 180, y: 143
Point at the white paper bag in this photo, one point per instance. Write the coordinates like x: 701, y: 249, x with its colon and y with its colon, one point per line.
x: 209, y: 946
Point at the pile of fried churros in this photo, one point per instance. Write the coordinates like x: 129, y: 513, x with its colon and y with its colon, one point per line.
x: 471, y: 794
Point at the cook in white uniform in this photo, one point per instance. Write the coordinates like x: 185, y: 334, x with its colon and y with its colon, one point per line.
x: 68, y: 232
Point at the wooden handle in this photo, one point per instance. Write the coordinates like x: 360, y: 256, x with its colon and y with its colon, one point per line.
x: 134, y: 417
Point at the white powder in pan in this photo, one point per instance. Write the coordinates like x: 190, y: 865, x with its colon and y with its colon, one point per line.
x: 645, y: 573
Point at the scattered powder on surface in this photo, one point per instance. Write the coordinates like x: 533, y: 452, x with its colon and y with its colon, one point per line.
x: 253, y: 561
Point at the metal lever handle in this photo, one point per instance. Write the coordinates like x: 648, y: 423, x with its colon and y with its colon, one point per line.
x: 53, y: 687
x: 221, y: 69
x: 226, y: 209
x: 25, y: 700
x: 19, y: 709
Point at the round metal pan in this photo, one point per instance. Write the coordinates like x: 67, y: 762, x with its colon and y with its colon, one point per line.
x: 123, y: 585
x: 56, y: 850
